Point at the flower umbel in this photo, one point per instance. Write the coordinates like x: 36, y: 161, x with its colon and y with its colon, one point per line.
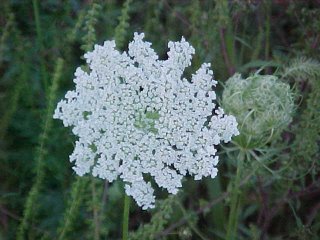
x: 135, y: 115
x: 263, y: 106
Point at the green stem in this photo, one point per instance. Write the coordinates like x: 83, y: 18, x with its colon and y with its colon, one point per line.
x: 95, y: 210
x: 40, y: 44
x: 235, y: 200
x: 217, y: 214
x: 125, y: 224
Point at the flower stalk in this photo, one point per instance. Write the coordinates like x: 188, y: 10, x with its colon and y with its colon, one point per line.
x: 125, y: 224
x: 235, y: 198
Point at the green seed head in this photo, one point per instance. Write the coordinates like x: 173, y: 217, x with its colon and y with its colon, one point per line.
x: 262, y: 105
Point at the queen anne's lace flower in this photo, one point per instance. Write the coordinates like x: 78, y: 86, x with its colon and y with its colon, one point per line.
x: 136, y: 116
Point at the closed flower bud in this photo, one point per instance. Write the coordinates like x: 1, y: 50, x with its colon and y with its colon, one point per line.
x: 262, y: 105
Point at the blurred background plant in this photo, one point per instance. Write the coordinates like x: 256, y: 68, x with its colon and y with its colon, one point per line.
x: 278, y: 190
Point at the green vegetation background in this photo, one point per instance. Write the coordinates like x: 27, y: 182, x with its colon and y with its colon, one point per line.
x: 41, y: 44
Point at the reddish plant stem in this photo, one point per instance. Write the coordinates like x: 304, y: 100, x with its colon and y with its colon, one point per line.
x: 311, y: 189
x: 203, y: 209
x: 313, y: 213
x: 263, y: 214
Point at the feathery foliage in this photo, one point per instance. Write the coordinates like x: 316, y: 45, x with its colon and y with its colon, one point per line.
x: 122, y: 27
x: 40, y: 155
x: 89, y: 39
x: 73, y: 209
x: 159, y: 220
x: 305, y: 147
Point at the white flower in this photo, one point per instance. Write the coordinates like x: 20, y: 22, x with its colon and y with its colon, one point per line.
x: 136, y: 116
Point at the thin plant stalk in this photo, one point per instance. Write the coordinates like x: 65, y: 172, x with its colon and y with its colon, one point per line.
x: 95, y: 210
x: 125, y: 224
x: 40, y: 44
x: 235, y: 199
x: 217, y: 214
